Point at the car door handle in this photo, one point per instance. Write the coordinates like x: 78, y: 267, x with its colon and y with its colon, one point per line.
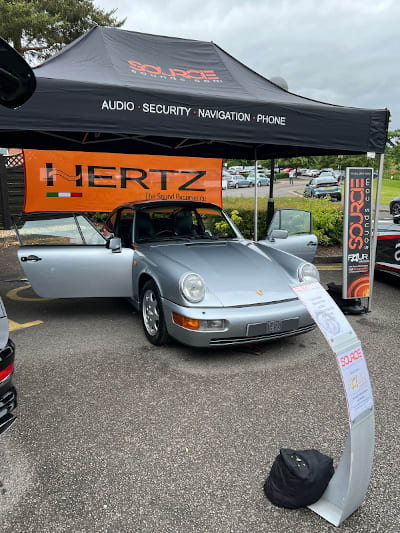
x: 312, y: 243
x: 34, y: 258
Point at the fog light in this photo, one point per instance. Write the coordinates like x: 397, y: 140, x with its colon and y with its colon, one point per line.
x: 210, y: 325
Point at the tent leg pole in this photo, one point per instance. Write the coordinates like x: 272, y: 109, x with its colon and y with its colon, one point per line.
x: 271, y: 204
x: 375, y: 234
x: 255, y: 197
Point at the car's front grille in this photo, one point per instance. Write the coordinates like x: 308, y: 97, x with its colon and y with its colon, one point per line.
x: 260, y: 338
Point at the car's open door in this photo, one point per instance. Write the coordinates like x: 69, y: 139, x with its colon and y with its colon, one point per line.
x: 299, y: 240
x: 64, y: 256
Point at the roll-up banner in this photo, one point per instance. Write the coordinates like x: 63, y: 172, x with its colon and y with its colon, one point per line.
x: 357, y: 233
x: 89, y: 181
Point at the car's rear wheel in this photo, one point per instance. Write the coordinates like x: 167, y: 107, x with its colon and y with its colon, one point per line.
x: 236, y: 185
x: 152, y: 314
x: 396, y: 209
x: 339, y: 198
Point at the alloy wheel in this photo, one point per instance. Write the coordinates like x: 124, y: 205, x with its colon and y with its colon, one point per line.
x: 150, y: 311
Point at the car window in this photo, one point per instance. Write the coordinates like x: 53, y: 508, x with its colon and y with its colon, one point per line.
x: 294, y: 221
x: 57, y: 231
x: 125, y: 226
x: 90, y: 234
x: 173, y: 221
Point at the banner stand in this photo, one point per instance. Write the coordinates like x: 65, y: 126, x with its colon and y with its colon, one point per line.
x: 349, y: 484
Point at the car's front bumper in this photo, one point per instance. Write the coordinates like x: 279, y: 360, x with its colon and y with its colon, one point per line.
x: 237, y: 321
x: 8, y: 394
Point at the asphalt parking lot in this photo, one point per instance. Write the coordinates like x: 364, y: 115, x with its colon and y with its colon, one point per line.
x: 117, y: 435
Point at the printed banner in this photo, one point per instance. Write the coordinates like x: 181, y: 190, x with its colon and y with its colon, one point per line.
x: 88, y: 181
x: 337, y: 330
x: 357, y: 233
x: 356, y: 383
x: 327, y: 315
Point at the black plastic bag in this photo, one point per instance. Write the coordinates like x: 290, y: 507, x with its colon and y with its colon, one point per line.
x: 352, y: 306
x: 298, y: 478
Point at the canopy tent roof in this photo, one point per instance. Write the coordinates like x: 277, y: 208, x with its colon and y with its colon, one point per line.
x: 113, y: 90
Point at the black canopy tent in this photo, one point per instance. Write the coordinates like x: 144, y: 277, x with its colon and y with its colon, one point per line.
x: 113, y: 90
x: 116, y: 91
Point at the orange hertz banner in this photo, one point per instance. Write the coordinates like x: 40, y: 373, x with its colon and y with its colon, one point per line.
x: 87, y: 181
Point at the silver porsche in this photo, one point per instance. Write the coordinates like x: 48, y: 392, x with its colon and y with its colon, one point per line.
x: 183, y: 264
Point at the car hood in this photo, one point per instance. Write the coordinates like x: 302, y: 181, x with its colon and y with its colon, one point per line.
x: 235, y: 272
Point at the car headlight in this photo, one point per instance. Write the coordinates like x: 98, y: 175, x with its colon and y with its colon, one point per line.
x: 307, y: 273
x: 192, y: 287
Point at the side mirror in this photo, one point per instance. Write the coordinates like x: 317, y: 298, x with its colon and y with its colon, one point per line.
x: 114, y: 244
x: 278, y: 234
x: 17, y: 80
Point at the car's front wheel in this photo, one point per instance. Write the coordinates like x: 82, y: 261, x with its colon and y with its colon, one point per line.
x: 152, y: 314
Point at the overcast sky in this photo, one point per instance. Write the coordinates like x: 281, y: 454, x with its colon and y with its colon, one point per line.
x: 339, y: 51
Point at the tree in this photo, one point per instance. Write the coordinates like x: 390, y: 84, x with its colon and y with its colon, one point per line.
x: 39, y: 28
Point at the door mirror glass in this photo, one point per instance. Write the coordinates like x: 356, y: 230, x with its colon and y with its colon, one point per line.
x: 294, y: 221
x: 114, y: 244
x: 278, y: 234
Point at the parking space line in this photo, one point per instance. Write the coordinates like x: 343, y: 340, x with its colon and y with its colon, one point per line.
x: 14, y: 326
x: 329, y: 267
x: 296, y: 193
x: 13, y: 295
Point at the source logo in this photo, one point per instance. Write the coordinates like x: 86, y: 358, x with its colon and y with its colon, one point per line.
x: 191, y: 74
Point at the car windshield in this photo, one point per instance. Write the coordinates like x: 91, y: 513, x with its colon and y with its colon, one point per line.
x: 328, y: 180
x: 176, y: 222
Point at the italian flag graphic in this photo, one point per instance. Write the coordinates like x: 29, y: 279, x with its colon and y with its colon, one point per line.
x: 64, y: 195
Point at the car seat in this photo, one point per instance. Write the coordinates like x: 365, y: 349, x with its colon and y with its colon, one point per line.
x: 125, y: 232
x: 143, y: 226
x: 184, y: 223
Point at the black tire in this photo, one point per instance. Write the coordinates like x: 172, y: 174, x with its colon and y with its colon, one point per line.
x: 339, y: 198
x: 154, y: 327
x: 396, y: 209
x: 236, y: 185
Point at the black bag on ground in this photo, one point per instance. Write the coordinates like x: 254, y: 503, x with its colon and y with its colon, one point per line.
x: 298, y: 478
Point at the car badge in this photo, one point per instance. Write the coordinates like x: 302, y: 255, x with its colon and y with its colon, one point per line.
x: 259, y: 292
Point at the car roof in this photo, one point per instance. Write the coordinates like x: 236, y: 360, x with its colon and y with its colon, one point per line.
x: 155, y: 203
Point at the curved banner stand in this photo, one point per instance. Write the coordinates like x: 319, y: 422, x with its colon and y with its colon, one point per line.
x: 348, y: 487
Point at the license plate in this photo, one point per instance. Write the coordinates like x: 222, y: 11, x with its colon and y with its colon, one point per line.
x: 271, y: 327
x: 328, y: 187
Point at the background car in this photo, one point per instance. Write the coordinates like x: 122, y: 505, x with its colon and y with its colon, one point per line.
x: 388, y: 249
x: 394, y: 208
x: 181, y: 264
x: 225, y: 177
x: 339, y: 175
x: 324, y: 186
x: 262, y: 179
x: 237, y: 180
x: 8, y: 394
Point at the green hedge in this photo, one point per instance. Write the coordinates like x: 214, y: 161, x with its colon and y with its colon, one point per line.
x: 327, y: 221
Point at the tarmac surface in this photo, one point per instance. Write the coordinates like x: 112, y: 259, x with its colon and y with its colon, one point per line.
x: 116, y: 435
